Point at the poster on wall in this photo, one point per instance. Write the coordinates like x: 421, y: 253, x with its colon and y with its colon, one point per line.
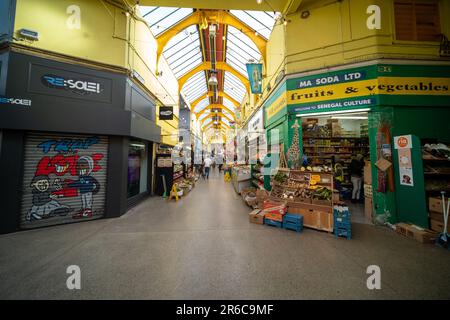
x: 404, y: 144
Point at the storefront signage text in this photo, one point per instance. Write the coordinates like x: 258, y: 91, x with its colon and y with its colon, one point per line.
x: 17, y: 101
x: 165, y: 113
x: 335, y: 105
x: 74, y: 85
x: 320, y: 81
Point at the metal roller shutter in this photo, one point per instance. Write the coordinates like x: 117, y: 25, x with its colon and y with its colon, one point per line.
x: 64, y: 179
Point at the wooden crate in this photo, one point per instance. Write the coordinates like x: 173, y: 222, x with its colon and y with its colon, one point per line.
x: 314, y: 216
x: 435, y: 205
x: 438, y: 226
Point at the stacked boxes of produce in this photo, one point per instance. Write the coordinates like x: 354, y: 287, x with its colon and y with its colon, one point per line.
x: 256, y: 216
x: 342, y: 224
x: 274, y: 212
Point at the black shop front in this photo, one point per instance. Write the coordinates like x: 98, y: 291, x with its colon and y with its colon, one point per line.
x: 68, y: 136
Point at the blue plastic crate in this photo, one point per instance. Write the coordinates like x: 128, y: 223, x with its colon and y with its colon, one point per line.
x: 294, y: 218
x: 343, y: 233
x: 342, y: 224
x: 273, y: 223
x: 293, y: 226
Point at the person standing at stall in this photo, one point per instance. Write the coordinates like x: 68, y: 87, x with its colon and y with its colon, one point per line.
x: 356, y: 171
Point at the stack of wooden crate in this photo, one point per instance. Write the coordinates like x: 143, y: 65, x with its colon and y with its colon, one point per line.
x: 436, y: 214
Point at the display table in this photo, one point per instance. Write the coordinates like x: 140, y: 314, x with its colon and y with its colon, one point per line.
x: 241, y: 177
x: 307, y: 193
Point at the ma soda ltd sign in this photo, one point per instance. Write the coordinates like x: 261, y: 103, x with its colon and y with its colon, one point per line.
x: 355, y: 88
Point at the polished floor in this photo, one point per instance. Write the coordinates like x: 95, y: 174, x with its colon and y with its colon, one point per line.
x: 203, y: 247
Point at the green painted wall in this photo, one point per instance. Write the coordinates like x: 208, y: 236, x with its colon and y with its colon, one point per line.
x: 424, y: 123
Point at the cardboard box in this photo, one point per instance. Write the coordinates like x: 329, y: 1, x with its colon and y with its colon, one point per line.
x: 435, y: 204
x: 368, y: 208
x: 256, y: 216
x: 336, y: 197
x: 414, y: 232
x: 438, y: 226
x: 368, y: 191
x: 368, y: 173
x: 274, y: 216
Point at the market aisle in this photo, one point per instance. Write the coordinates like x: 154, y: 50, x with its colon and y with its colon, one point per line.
x: 203, y: 247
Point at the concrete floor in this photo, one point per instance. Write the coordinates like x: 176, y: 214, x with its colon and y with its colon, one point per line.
x: 203, y: 247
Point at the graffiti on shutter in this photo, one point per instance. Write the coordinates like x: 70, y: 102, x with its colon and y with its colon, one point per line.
x: 64, y: 179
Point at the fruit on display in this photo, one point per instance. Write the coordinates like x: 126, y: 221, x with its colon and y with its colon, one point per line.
x: 323, y: 193
x: 280, y: 177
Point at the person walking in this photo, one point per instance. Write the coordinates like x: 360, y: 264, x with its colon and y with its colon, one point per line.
x: 356, y: 171
x: 207, y: 163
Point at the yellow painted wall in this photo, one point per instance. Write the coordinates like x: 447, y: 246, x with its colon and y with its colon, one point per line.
x: 275, y: 51
x: 336, y: 33
x: 98, y: 39
x: 106, y: 35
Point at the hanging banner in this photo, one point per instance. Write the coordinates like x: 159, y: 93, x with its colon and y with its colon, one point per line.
x: 254, y: 71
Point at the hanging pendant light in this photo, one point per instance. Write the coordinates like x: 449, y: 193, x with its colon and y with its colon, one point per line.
x: 212, y: 81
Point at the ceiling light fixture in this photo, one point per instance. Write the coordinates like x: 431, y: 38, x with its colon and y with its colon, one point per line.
x: 259, y: 1
x: 212, y: 81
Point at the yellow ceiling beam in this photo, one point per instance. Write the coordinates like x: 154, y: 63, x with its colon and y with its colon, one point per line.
x: 206, y: 65
x: 220, y: 114
x: 222, y: 94
x: 204, y: 17
x: 214, y: 106
x: 209, y: 125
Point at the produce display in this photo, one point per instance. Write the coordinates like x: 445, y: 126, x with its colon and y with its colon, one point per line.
x: 300, y: 185
x: 280, y: 177
x: 323, y: 193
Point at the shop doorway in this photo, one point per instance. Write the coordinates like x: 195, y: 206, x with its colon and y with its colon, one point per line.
x: 341, y: 141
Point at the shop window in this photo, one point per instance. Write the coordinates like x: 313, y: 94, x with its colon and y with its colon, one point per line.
x: 137, y: 169
x: 417, y: 20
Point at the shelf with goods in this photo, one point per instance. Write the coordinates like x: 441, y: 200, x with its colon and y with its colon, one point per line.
x: 436, y: 174
x: 307, y: 193
x: 322, y: 150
